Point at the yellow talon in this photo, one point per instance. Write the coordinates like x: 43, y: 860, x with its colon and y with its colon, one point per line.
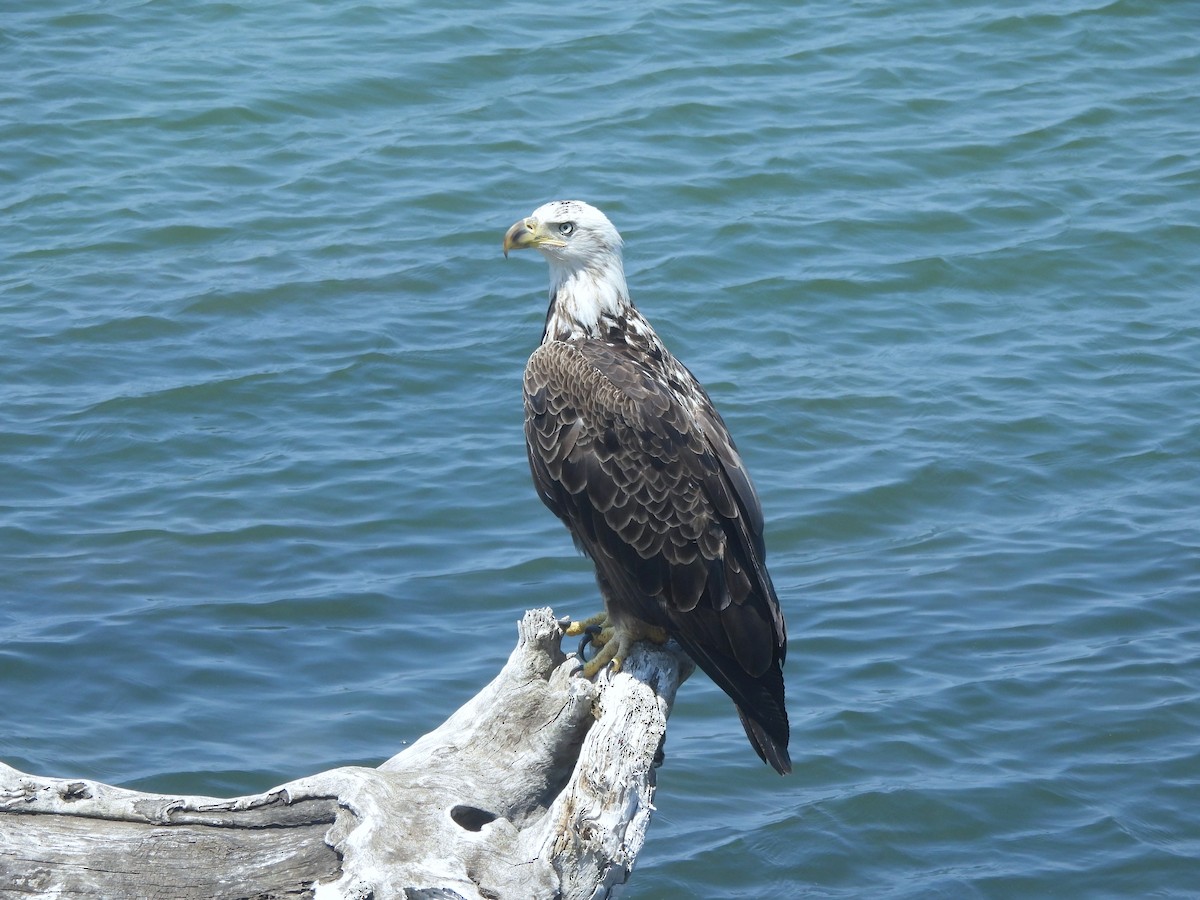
x: 577, y: 628
x: 614, y: 643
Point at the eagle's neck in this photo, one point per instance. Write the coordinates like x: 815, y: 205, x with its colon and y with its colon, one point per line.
x: 585, y: 299
x: 593, y: 304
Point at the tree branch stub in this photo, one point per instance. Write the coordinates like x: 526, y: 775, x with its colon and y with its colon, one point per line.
x: 540, y: 786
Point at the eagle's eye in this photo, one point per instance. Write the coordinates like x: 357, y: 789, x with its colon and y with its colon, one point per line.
x: 565, y: 228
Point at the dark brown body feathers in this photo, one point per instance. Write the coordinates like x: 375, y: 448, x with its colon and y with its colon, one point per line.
x: 627, y: 449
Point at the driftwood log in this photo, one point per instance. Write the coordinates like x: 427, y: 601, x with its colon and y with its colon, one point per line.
x: 538, y: 787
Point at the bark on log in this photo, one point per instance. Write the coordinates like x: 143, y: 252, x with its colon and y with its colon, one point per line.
x: 539, y: 787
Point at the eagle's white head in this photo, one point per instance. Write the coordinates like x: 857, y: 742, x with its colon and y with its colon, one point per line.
x: 587, y: 276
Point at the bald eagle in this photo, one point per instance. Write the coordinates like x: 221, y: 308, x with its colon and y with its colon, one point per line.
x: 628, y: 451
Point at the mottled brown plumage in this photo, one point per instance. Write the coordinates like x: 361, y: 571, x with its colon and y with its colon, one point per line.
x: 627, y: 449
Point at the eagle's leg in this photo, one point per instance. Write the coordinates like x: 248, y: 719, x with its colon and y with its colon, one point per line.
x: 613, y: 641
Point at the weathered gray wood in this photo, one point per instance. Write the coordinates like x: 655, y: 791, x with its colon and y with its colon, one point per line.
x: 538, y: 787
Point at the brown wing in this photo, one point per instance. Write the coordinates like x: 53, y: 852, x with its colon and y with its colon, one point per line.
x: 660, y: 500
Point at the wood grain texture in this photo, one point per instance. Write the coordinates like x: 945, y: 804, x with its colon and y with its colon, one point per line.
x: 540, y: 786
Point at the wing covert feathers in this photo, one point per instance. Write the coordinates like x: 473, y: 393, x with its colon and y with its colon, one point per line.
x: 628, y: 451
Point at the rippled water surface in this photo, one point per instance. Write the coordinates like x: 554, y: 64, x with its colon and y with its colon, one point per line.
x: 264, y: 506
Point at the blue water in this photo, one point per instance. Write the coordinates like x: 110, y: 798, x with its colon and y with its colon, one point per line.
x: 264, y: 506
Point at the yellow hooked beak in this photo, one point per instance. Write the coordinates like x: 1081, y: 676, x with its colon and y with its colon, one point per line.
x: 529, y: 233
